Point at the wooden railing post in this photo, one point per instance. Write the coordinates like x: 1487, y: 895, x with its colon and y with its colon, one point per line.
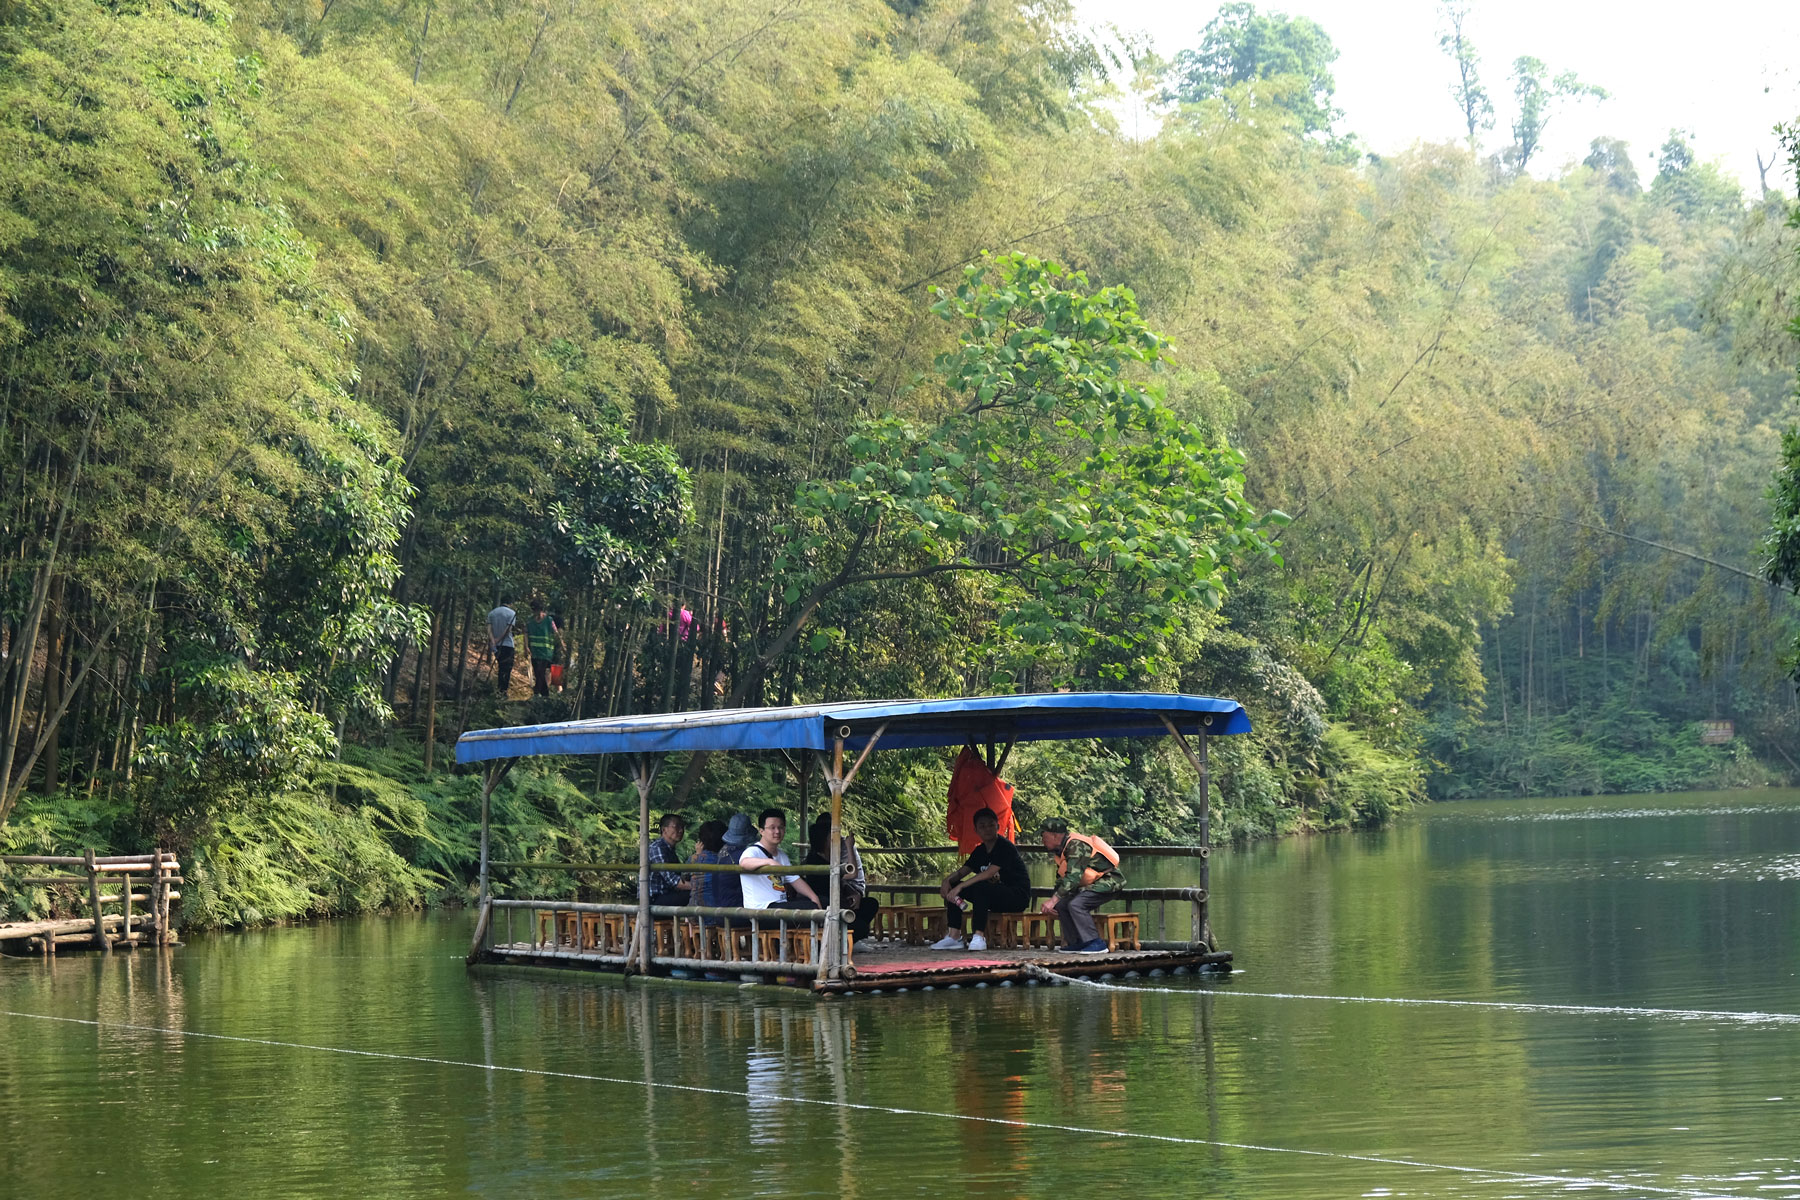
x: 159, y: 900
x: 93, y: 874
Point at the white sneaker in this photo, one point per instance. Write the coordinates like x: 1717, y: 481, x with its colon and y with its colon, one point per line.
x: 949, y: 941
x: 978, y: 942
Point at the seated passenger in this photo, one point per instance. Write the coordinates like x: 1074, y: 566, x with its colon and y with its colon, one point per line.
x: 709, y: 840
x: 853, y: 891
x: 669, y: 887
x: 1087, y: 875
x: 773, y: 891
x: 993, y: 879
x: 740, y: 835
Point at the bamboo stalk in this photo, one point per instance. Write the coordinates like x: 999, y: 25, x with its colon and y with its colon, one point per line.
x: 431, y: 678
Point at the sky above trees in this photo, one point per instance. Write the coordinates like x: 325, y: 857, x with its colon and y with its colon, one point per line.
x: 1723, y: 75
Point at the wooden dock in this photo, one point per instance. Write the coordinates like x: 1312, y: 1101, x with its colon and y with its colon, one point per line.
x: 141, y: 887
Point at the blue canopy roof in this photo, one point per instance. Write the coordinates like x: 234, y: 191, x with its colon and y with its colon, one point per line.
x: 1035, y: 718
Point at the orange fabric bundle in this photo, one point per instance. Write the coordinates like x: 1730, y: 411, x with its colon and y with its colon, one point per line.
x: 974, y: 787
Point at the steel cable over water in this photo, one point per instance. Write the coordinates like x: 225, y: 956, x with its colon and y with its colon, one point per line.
x: 1728, y: 1015
x: 1569, y: 1181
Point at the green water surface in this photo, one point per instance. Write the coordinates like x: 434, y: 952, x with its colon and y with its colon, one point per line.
x: 360, y: 1058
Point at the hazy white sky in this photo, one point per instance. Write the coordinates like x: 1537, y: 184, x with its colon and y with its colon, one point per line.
x: 1722, y: 70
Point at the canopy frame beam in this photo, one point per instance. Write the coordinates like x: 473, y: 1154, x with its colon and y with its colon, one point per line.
x: 1203, y: 918
x: 837, y: 782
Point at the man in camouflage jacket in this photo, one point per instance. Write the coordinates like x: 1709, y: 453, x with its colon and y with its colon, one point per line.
x: 1088, y: 876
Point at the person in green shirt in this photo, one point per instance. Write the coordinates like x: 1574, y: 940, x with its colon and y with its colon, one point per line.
x: 1087, y: 876
x: 545, y: 638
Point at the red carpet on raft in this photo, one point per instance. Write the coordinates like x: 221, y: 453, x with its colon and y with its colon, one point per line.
x: 943, y: 961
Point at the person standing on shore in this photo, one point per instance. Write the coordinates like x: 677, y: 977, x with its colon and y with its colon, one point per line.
x: 544, y: 638
x: 501, y: 623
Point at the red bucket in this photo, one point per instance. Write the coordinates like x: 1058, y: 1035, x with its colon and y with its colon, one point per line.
x: 556, y: 670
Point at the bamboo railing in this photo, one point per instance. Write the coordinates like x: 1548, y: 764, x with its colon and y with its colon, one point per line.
x: 157, y: 873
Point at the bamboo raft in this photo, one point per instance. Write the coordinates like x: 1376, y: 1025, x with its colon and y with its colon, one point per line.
x: 788, y: 947
x: 158, y: 874
x: 812, y: 948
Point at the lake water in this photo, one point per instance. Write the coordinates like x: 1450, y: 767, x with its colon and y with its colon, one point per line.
x: 1615, y: 988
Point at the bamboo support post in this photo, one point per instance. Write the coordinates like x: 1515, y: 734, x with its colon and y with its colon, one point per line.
x: 1202, y: 923
x: 94, y: 899
x: 159, y: 903
x: 495, y: 773
x: 643, y: 774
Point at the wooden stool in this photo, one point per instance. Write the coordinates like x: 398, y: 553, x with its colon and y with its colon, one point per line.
x: 1039, y: 929
x: 727, y: 944
x: 590, y: 931
x: 665, y: 936
x: 889, y: 923
x: 566, y: 926
x: 612, y: 933
x: 690, y: 938
x: 1006, y: 931
x: 1118, y: 928
x: 924, y: 923
x: 799, y: 944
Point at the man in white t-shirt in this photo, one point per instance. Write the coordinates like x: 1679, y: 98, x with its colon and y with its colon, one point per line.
x: 501, y: 623
x: 774, y: 891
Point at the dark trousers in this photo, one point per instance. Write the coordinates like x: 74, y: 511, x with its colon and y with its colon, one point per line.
x: 503, y: 665
x: 673, y: 898
x: 1075, y: 914
x: 990, y: 895
x: 540, y: 676
x: 865, y: 910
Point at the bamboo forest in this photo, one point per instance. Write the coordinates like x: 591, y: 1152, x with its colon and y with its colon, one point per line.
x: 848, y: 598
x: 796, y: 351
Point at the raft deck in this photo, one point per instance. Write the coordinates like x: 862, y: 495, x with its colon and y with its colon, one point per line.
x: 880, y: 966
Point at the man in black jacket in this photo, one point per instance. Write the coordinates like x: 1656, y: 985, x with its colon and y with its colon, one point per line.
x: 993, y: 879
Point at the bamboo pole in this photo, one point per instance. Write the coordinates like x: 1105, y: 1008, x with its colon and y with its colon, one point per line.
x: 114, y: 862
x: 760, y: 916
x: 835, y: 782
x: 160, y: 905
x: 644, y: 770
x: 1202, y: 921
x: 94, y: 898
x: 674, y: 868
x: 495, y: 773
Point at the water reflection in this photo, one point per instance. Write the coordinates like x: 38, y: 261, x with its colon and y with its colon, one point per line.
x: 1004, y: 1092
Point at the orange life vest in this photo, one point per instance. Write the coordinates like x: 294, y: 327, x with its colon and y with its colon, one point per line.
x: 1100, y: 847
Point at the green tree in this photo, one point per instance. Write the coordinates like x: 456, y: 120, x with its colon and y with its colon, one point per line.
x: 1241, y: 45
x: 1698, y: 191
x: 206, y: 509
x: 1472, y: 99
x: 1538, y: 96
